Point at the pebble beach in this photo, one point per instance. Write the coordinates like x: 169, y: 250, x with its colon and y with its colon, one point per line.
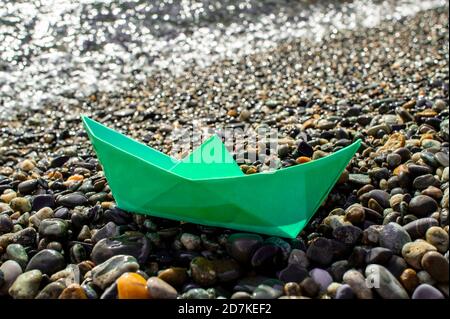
x: 385, y: 222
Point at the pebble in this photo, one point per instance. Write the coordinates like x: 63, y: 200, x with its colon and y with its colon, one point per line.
x: 266, y: 292
x: 436, y: 265
x: 425, y: 278
x: 73, y: 291
x: 6, y: 224
x: 380, y: 196
x: 320, y: 251
x: 53, y: 228
x: 418, y: 228
x: 72, y: 200
x: 437, y: 237
x: 425, y: 291
x: 409, y: 279
x: 132, y: 286
x: 17, y: 253
x: 433, y: 192
x: 227, y: 270
x: 190, y: 241
x: 422, y: 205
x: 26, y: 165
x: 266, y: 258
x: 396, y: 265
x: 107, y: 231
x: 20, y: 204
x: 348, y: 234
x: 414, y: 251
x: 159, y: 289
x: 43, y: 200
x: 355, y: 214
x: 137, y: 246
x: 309, y: 287
x: 291, y: 289
x: 48, y: 261
x: 359, y: 179
x: 292, y: 273
x: 424, y: 181
x: 107, y: 272
x: 26, y: 285
x: 241, y: 246
x: 321, y: 277
x: 202, y: 271
x: 442, y: 158
x: 394, y: 237
x: 378, y: 255
x: 42, y: 214
x: 52, y: 290
x: 175, y: 276
x: 357, y: 282
x: 298, y: 257
x: 196, y: 293
x: 385, y: 284
x: 26, y: 187
x: 10, y: 270
x: 345, y: 292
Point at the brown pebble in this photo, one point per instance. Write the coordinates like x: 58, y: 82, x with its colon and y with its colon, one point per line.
x: 409, y: 279
x: 73, y: 291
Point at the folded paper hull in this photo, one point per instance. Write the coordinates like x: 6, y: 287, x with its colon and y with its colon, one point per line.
x: 278, y: 203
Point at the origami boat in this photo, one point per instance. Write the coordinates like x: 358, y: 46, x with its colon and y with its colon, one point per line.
x: 214, y: 191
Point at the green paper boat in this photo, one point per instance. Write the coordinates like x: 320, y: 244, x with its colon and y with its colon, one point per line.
x: 208, y: 187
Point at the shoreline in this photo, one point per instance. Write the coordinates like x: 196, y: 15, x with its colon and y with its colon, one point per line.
x: 387, y: 85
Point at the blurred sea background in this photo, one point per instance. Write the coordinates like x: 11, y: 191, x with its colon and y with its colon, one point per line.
x: 61, y: 51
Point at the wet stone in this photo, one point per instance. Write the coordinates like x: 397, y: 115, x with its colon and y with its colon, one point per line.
x: 409, y: 279
x: 436, y: 265
x: 73, y: 200
x: 175, y: 276
x: 26, y: 285
x: 394, y: 237
x: 6, y: 224
x: 48, y: 261
x: 293, y: 273
x: 425, y: 291
x: 43, y: 200
x: 17, y: 253
x: 134, y: 245
x: 418, y: 228
x: 441, y: 158
x: 358, y: 284
x: 321, y: 277
x: 159, y: 289
x: 191, y: 241
x: 378, y: 255
x: 53, y: 228
x: 388, y: 286
x: 52, y: 290
x: 132, y: 286
x: 347, y: 234
x: 241, y: 246
x: 414, y: 251
x: 424, y: 181
x: 320, y: 251
x: 203, y: 272
x: 104, y: 274
x: 437, y: 237
x: 73, y: 291
x: 266, y: 292
x: 344, y: 292
x: 107, y: 231
x: 10, y: 270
